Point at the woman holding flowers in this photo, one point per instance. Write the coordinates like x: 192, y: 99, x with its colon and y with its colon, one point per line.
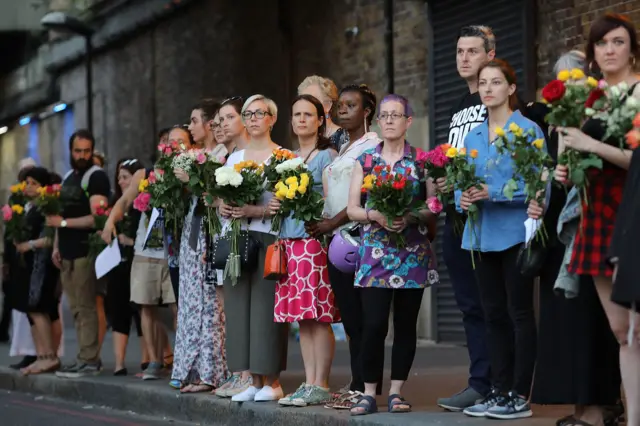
x: 254, y: 341
x: 396, y: 259
x: 304, y: 294
x: 497, y: 200
x: 36, y: 278
x: 612, y: 49
x: 356, y: 108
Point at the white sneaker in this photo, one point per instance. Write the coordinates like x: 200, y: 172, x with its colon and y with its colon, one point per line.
x: 247, y: 395
x: 267, y: 393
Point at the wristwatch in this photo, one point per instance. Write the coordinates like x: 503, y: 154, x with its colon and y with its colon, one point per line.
x: 63, y: 224
x: 32, y: 245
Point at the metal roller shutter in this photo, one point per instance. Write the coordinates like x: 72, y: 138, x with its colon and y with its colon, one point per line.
x: 513, y: 23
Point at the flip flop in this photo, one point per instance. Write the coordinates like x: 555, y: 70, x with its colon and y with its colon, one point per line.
x: 394, y: 406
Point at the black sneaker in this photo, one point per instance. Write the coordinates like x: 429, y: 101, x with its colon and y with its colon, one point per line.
x: 513, y: 406
x: 24, y: 363
x: 78, y: 370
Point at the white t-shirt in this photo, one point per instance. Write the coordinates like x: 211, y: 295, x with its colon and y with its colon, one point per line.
x: 153, y: 253
x: 339, y: 172
x: 257, y: 224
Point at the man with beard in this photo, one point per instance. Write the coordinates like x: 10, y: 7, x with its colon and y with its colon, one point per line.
x: 84, y: 189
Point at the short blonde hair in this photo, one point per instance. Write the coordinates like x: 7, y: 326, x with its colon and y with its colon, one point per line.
x: 272, y: 108
x: 326, y: 85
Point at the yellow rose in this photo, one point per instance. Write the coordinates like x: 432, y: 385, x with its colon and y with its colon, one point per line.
x: 592, y: 82
x: 513, y: 127
x: 577, y: 74
x: 499, y: 131
x: 142, y: 187
x: 564, y: 75
x: 22, y: 185
x: 280, y: 185
x: 538, y: 143
x: 291, y: 194
x: 281, y: 194
x: 291, y: 180
x: 17, y: 208
x: 519, y: 133
x: 367, y: 185
x: 451, y: 152
x: 293, y: 186
x: 304, y: 179
x: 302, y: 189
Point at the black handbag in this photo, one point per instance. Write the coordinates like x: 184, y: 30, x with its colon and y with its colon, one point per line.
x: 248, y: 249
x: 531, y: 258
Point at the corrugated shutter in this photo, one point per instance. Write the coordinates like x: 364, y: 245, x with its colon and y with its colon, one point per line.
x: 509, y: 20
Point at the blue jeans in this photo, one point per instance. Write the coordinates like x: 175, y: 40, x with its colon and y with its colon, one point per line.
x: 465, y: 289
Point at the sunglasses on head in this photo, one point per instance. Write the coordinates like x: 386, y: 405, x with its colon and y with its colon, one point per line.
x: 232, y: 99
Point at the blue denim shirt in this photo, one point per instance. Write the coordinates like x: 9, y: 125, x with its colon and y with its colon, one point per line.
x: 500, y: 223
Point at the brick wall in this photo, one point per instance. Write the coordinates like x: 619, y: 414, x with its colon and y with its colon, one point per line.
x: 564, y: 25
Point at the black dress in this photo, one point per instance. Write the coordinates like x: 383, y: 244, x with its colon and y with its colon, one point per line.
x: 35, y: 282
x: 626, y: 240
x: 577, y: 354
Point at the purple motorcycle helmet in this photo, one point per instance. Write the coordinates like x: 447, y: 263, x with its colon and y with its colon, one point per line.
x: 343, y: 250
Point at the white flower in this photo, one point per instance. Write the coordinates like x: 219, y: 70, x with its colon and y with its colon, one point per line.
x: 623, y: 86
x: 184, y: 161
x: 433, y: 277
x: 589, y: 111
x: 615, y: 91
x: 292, y: 164
x: 396, y: 281
x: 632, y: 101
x: 228, y: 176
x: 377, y: 253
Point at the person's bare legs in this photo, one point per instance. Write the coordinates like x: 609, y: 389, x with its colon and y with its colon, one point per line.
x: 102, y: 320
x: 307, y: 348
x: 619, y: 321
x: 324, y: 344
x: 120, y: 342
x: 56, y: 335
x: 45, y: 346
x: 150, y: 331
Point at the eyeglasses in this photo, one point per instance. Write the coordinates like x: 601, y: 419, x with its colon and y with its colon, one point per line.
x: 215, y: 126
x: 231, y: 99
x: 394, y: 116
x: 248, y: 115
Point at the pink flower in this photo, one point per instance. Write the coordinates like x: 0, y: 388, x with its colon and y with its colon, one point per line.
x: 434, y: 205
x: 422, y: 156
x: 159, y: 172
x: 161, y: 147
x: 152, y: 178
x: 201, y: 158
x: 602, y: 84
x: 141, y: 203
x: 437, y: 158
x: 7, y: 213
x: 168, y: 150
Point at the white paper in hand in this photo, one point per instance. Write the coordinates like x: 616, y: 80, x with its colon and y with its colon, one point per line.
x: 155, y: 214
x: 531, y: 226
x: 108, y: 259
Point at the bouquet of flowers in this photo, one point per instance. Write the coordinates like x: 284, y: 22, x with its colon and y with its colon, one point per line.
x: 633, y: 136
x: 15, y: 224
x: 289, y: 168
x: 48, y: 200
x: 202, y: 182
x: 435, y: 162
x: 568, y: 98
x: 165, y: 189
x: 391, y: 194
x: 96, y: 244
x: 17, y: 194
x: 531, y: 164
x: 462, y: 176
x: 271, y: 173
x: 295, y: 191
x: 612, y: 105
x: 243, y: 184
x: 142, y: 203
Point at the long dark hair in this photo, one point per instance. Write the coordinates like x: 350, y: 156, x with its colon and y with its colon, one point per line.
x: 509, y: 75
x: 132, y: 165
x: 323, y: 142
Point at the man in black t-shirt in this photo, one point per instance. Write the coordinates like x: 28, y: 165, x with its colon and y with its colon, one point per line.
x: 475, y: 47
x: 84, y: 188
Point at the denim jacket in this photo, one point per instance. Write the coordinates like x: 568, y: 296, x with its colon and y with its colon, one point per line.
x: 500, y: 223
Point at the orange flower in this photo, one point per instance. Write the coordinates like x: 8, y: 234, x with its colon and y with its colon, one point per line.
x: 633, y: 139
x: 474, y: 153
x: 463, y: 151
x: 636, y: 120
x: 445, y: 147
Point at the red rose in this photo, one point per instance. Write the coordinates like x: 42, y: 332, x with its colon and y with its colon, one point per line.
x: 554, y: 91
x: 593, y: 97
x: 377, y: 169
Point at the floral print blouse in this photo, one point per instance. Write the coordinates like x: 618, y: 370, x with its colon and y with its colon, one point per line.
x: 382, y: 263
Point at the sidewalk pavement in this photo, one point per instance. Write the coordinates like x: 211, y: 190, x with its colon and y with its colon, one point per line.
x: 438, y: 371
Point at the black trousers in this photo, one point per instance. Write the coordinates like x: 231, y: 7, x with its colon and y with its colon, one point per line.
x: 376, y: 304
x: 348, y: 300
x: 118, y: 306
x: 507, y: 300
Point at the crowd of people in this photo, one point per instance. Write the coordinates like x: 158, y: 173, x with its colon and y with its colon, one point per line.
x: 232, y: 337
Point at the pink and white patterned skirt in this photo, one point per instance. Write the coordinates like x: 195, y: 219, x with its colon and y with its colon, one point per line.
x: 305, y: 294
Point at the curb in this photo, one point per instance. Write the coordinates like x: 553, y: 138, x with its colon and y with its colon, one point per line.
x: 158, y: 399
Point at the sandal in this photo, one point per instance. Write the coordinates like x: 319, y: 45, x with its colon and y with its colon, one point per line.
x: 394, y: 403
x: 197, y: 388
x: 368, y: 405
x: 347, y: 401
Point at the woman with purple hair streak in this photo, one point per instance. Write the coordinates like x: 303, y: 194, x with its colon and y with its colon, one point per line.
x: 389, y: 272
